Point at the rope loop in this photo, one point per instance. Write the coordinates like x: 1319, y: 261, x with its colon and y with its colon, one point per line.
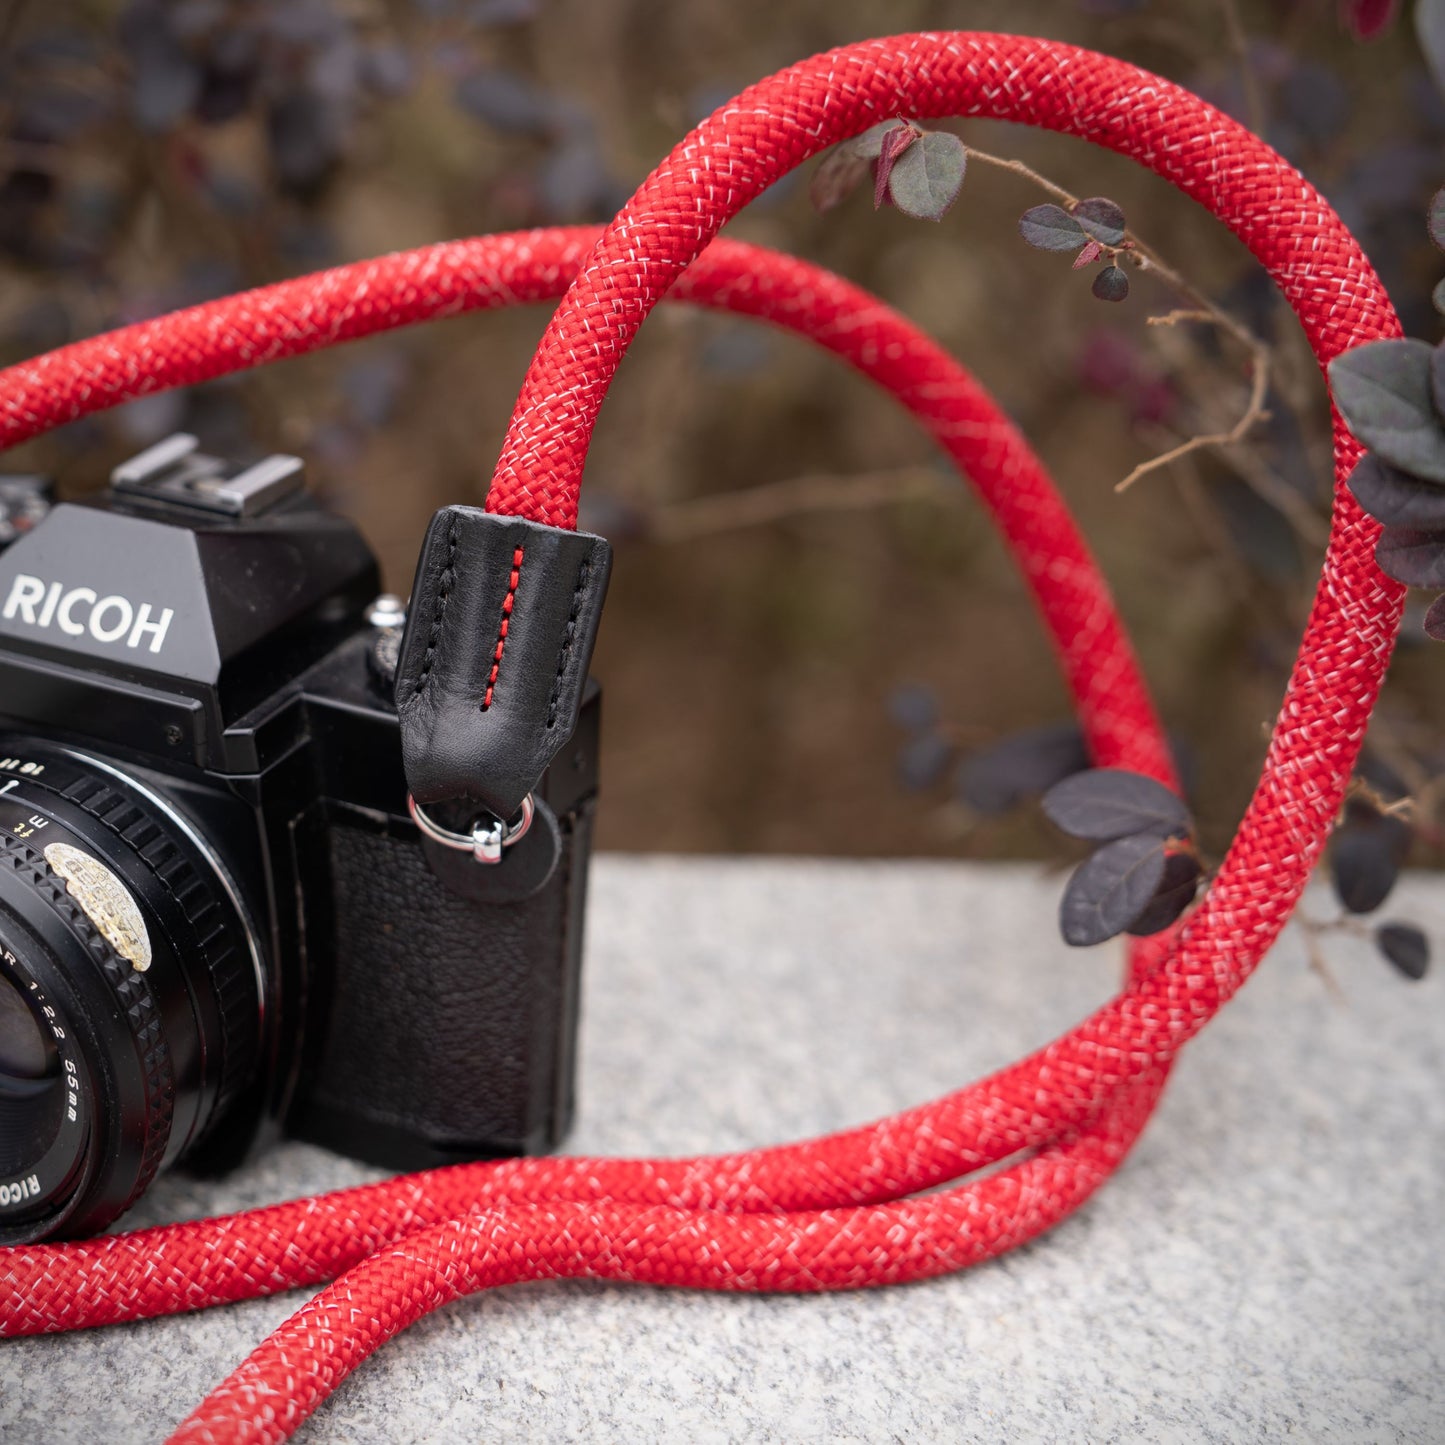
x: 848, y: 1210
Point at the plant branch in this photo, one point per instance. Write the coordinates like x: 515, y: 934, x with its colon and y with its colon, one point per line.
x: 1253, y: 414
x: 1313, y: 931
x: 795, y: 497
x: 1201, y: 308
x: 1239, y: 43
x: 1005, y: 163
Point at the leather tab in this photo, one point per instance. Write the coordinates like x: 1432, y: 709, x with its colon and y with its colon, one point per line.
x: 499, y: 637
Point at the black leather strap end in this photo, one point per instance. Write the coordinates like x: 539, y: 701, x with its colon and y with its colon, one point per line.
x: 499, y: 637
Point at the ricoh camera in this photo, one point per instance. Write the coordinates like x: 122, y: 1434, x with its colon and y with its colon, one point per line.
x: 224, y: 917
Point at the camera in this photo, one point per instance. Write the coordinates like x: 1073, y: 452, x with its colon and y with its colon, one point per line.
x: 222, y: 918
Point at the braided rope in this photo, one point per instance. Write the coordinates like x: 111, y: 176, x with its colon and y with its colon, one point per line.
x: 197, y: 1264
x: 1079, y: 1102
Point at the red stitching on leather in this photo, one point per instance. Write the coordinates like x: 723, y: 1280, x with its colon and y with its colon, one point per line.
x: 507, y: 604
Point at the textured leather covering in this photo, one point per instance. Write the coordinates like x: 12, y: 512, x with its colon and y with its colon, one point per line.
x: 449, y: 1022
x: 502, y: 623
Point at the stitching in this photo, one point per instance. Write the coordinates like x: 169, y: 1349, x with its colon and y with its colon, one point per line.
x: 568, y: 638
x: 448, y: 580
x: 507, y: 604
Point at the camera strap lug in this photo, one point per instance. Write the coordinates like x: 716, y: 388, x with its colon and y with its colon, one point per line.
x: 489, y: 836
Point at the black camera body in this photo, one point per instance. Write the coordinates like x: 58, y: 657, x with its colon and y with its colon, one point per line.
x: 220, y: 920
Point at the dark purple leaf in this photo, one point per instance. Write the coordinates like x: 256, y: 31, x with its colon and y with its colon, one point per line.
x: 1382, y: 776
x: 1406, y: 947
x: 506, y: 102
x: 574, y: 181
x: 225, y: 93
x: 1020, y: 766
x: 306, y: 242
x: 1395, y: 497
x: 1436, y: 219
x: 503, y: 12
x: 1367, y: 19
x: 1176, y: 891
x: 613, y: 517
x: 736, y: 350
x: 1088, y: 255
x: 1051, y: 228
x: 336, y: 70
x: 1100, y: 218
x: 1437, y: 297
x: 1430, y: 31
x: 1383, y: 392
x: 841, y: 173
x: 1156, y: 400
x: 1106, y: 803
x: 1316, y: 101
x: 1263, y: 535
x: 869, y: 145
x: 149, y: 418
x: 1111, y: 889
x: 1111, y: 284
x: 1110, y: 362
x: 1415, y: 558
x: 371, y: 387
x: 46, y: 114
x: 165, y: 81
x: 305, y: 24
x: 306, y: 135
x: 233, y: 194
x: 913, y: 705
x: 923, y: 760
x: 926, y: 178
x: 896, y: 141
x: 1434, y: 623
x: 1366, y: 856
x: 386, y: 69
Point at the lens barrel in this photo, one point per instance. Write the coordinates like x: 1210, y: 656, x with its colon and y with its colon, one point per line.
x: 131, y: 993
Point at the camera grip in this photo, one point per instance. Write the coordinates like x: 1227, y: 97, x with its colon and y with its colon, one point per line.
x: 452, y: 1023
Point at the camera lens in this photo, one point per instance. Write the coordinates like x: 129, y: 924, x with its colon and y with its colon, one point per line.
x: 22, y: 1044
x: 131, y: 993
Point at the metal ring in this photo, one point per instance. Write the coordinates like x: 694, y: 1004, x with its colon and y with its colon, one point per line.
x: 489, y: 836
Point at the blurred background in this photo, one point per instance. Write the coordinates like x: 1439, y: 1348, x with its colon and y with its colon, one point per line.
x: 156, y: 155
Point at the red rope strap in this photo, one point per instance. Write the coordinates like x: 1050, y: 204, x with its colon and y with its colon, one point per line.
x: 833, y: 1213
x: 193, y: 1265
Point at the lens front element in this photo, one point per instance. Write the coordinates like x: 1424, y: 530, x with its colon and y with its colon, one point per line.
x: 23, y: 1054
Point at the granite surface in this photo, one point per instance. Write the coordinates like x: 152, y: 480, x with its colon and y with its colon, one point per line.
x: 1267, y: 1265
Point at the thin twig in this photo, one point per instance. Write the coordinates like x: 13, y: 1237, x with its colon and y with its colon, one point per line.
x: 1310, y: 526
x: 10, y: 22
x: 1005, y: 163
x: 795, y: 497
x: 1239, y: 43
x: 1316, y: 956
x: 1255, y: 413
x: 1173, y: 318
x: 1201, y: 308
